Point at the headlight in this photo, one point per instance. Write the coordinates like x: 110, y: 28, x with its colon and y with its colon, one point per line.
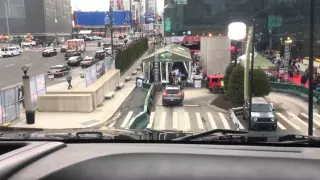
x: 255, y: 119
x: 272, y: 119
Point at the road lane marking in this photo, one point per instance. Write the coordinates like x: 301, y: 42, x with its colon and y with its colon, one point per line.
x: 224, y: 121
x: 316, y: 121
x: 199, y: 121
x: 186, y: 121
x: 126, y: 120
x: 9, y: 65
x: 151, y: 119
x: 112, y: 124
x: 175, y: 120
x: 163, y: 121
x: 281, y: 126
x: 288, y: 121
x: 298, y: 119
x: 211, y: 120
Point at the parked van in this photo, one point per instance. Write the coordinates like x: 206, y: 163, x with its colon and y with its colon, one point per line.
x: 213, y: 82
x: 76, y: 44
x: 10, y: 51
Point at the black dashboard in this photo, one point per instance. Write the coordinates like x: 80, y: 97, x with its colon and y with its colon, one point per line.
x: 121, y: 161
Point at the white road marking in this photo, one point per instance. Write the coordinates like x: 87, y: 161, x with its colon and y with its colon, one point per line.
x: 186, y: 121
x: 211, y: 120
x: 126, y: 120
x: 200, y: 123
x: 112, y: 124
x: 163, y: 121
x: 9, y: 65
x: 151, y: 120
x: 316, y: 121
x: 281, y: 126
x: 175, y: 120
x: 288, y: 121
x: 224, y: 121
x: 298, y: 119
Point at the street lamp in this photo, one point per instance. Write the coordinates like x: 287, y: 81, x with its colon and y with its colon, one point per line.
x: 30, y: 112
x: 237, y: 32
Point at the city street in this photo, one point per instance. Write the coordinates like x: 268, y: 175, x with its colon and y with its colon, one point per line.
x: 196, y: 116
x: 10, y: 68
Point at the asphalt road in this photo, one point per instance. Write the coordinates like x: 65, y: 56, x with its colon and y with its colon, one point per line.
x: 196, y: 116
x: 10, y: 68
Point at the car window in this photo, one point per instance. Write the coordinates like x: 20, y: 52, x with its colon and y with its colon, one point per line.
x: 261, y: 108
x: 214, y: 80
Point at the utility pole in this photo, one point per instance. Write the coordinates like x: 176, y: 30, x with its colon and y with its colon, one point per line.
x: 111, y: 28
x: 251, y: 72
x: 311, y: 57
x: 7, y: 19
x: 130, y: 15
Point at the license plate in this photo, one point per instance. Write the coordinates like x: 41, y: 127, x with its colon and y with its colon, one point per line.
x: 171, y: 99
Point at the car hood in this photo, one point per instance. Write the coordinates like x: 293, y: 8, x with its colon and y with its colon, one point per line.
x: 262, y: 115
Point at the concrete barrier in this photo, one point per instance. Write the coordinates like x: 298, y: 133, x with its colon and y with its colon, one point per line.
x: 97, y: 92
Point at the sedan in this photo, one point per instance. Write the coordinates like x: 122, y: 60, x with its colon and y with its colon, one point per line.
x: 74, y: 61
x: 88, y: 61
x: 71, y: 53
x: 172, y: 95
x: 49, y: 52
x: 58, y: 71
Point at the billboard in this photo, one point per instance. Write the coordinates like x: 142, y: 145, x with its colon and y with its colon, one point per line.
x: 101, y: 18
x: 149, y: 18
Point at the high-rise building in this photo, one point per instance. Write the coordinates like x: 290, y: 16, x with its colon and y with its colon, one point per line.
x: 43, y: 19
x: 126, y: 5
x: 151, y: 6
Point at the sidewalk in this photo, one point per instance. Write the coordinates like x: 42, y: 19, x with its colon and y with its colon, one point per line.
x: 99, y: 117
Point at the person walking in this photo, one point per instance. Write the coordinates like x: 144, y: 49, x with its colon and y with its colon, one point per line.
x: 69, y: 78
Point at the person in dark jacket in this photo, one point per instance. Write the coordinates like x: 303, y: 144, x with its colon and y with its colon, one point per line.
x: 303, y: 80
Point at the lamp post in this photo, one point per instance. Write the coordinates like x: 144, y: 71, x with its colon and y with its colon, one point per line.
x: 251, y: 72
x: 311, y: 56
x: 237, y: 32
x: 30, y: 112
x: 6, y: 4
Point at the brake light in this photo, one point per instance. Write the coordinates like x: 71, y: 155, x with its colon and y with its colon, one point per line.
x: 180, y: 94
x: 165, y: 94
x: 42, y: 50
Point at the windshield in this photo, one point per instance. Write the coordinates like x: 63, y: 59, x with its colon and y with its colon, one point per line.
x: 261, y: 108
x: 167, y: 65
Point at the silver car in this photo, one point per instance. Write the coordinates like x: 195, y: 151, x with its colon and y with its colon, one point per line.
x: 262, y: 114
x: 172, y: 95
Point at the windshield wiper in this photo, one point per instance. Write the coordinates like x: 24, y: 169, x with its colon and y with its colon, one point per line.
x: 224, y: 132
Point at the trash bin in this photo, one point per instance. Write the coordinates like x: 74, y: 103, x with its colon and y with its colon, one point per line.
x: 30, y: 116
x: 197, y: 81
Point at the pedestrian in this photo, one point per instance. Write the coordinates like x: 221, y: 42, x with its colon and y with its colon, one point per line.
x: 69, y: 78
x: 222, y: 86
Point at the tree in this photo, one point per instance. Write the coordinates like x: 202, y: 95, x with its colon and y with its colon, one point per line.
x: 261, y: 85
x: 227, y: 74
x: 236, y: 85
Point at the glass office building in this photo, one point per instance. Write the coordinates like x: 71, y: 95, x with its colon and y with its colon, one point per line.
x: 277, y: 20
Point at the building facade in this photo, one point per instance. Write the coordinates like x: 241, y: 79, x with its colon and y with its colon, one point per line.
x: 151, y: 6
x: 117, y: 5
x: 277, y: 20
x: 44, y: 19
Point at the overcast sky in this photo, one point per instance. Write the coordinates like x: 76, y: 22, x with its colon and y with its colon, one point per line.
x: 99, y: 5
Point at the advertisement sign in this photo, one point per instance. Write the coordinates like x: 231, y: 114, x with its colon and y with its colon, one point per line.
x: 33, y: 90
x: 41, y: 84
x: 149, y: 17
x: 88, y: 75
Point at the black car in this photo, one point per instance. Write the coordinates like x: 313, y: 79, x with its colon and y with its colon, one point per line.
x: 74, y: 61
x: 49, y: 52
x: 100, y: 55
x: 71, y: 53
x: 58, y: 70
x: 63, y: 49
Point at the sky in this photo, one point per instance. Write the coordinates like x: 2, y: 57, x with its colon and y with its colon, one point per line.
x: 99, y: 5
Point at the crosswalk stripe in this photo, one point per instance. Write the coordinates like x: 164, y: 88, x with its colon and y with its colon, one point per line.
x: 211, y: 120
x: 186, y: 121
x: 281, y: 126
x: 317, y: 122
x: 224, y: 121
x: 298, y: 119
x: 151, y: 119
x: 288, y: 121
x: 126, y: 120
x: 175, y: 120
x: 163, y: 121
x: 200, y: 123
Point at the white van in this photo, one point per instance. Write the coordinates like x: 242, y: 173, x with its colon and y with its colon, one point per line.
x: 10, y: 51
x: 76, y: 44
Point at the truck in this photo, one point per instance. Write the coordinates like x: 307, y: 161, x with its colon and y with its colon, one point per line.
x: 76, y: 45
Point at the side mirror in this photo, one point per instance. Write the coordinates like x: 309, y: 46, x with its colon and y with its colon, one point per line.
x: 272, y: 106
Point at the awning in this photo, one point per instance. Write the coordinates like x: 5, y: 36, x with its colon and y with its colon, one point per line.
x: 170, y: 53
x: 85, y: 32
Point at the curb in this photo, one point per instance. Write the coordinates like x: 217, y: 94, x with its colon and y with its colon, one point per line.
x: 215, y: 108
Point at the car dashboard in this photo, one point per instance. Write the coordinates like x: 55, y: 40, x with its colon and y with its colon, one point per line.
x: 120, y: 161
